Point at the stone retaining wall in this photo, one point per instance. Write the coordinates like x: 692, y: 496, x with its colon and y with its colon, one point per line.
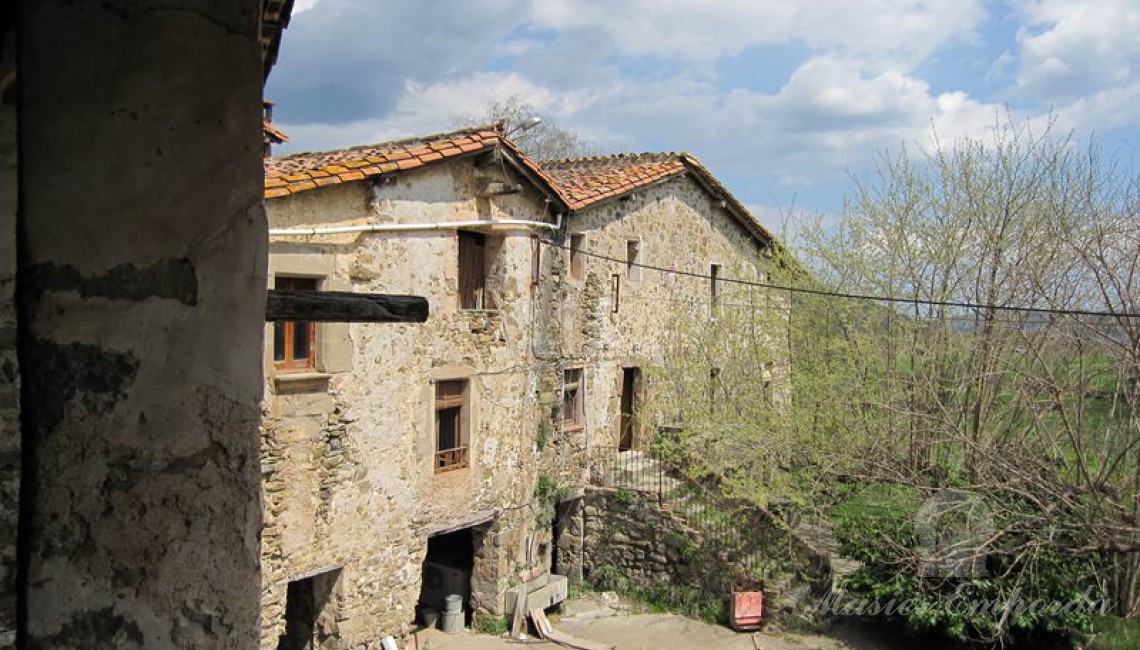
x: 621, y: 536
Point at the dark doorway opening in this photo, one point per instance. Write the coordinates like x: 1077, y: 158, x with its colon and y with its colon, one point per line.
x: 562, y: 536
x: 311, y: 613
x: 630, y: 381
x: 447, y: 571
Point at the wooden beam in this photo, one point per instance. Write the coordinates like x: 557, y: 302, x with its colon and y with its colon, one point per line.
x: 344, y: 307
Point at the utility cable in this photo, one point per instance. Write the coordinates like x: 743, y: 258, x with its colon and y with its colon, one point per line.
x: 853, y: 296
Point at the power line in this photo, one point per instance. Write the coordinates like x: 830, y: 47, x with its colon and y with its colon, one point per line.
x: 853, y: 296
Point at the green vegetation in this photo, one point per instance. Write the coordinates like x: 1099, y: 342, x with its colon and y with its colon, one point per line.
x: 546, y: 488
x: 542, y: 435
x: 687, y: 546
x: 880, y: 527
x: 624, y: 495
x: 1115, y: 633
x: 660, y: 597
x: 491, y: 624
x: 869, y: 414
x: 547, y: 494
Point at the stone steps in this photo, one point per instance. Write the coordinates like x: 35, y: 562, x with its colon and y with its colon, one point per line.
x: 819, y: 532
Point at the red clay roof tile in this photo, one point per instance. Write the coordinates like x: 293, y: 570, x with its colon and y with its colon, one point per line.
x: 409, y: 163
x: 292, y: 173
x: 586, y: 181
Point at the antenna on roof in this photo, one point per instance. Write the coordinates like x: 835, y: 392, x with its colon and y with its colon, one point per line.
x: 525, y: 125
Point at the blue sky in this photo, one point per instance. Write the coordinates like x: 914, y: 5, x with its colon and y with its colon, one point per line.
x: 784, y: 100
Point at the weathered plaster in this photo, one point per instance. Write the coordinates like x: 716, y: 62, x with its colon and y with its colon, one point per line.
x: 141, y: 266
x: 9, y: 368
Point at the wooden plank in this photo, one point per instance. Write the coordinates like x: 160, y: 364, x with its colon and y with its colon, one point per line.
x: 547, y: 631
x: 518, y: 621
x: 344, y: 307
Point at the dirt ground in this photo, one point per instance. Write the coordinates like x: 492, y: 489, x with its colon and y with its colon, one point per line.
x: 652, y: 631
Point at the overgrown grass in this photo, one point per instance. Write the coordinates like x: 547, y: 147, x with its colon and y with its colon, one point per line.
x: 1115, y: 633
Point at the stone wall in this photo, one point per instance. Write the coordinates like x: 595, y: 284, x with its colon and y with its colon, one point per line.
x: 348, y: 449
x: 626, y: 536
x: 677, y: 226
x: 141, y: 272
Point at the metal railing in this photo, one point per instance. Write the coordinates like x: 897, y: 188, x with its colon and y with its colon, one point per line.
x: 736, y: 531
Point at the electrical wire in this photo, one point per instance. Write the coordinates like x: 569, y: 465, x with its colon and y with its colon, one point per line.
x: 853, y: 296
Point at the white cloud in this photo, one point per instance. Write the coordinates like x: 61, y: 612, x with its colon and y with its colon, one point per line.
x: 301, y: 6
x: 647, y: 74
x: 422, y: 109
x: 698, y: 31
x: 1069, y: 48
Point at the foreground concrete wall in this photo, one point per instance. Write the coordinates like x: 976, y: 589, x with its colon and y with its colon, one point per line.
x: 9, y: 368
x: 142, y: 277
x: 348, y: 447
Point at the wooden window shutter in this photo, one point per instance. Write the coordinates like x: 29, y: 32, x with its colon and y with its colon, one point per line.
x: 472, y: 269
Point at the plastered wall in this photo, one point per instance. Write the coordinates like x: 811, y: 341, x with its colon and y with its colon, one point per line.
x: 141, y: 273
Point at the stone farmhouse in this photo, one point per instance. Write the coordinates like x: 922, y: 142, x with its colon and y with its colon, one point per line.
x: 404, y: 462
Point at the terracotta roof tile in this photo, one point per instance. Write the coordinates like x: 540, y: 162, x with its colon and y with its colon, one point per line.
x: 274, y: 134
x: 587, y: 181
x: 293, y: 173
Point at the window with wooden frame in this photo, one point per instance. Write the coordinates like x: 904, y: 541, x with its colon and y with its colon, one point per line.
x: 451, y: 450
x: 294, y: 342
x: 577, y: 257
x: 472, y: 270
x: 573, y: 400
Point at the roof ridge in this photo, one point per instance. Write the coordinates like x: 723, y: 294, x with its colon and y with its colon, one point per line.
x: 632, y: 157
x: 404, y: 142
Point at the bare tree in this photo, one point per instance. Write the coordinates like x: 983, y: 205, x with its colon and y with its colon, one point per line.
x: 545, y: 141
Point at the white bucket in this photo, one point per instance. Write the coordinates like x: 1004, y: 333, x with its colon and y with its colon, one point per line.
x: 453, y: 622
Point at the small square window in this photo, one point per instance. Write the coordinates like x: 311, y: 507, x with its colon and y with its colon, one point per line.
x: 573, y: 391
x: 294, y: 342
x: 451, y: 449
